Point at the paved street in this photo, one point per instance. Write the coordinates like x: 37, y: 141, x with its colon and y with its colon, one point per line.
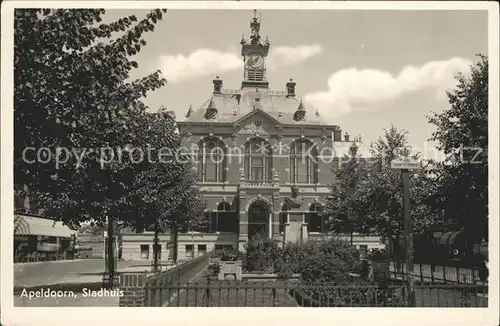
x: 75, y: 274
x: 46, y: 273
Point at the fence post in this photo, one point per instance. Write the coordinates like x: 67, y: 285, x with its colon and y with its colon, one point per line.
x: 444, y: 274
x: 421, y: 275
x: 432, y: 273
x: 458, y: 274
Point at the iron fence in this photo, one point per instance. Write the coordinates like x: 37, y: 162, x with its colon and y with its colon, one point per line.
x: 294, y: 294
x: 183, y: 273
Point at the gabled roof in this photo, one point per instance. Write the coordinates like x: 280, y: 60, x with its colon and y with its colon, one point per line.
x: 233, y: 107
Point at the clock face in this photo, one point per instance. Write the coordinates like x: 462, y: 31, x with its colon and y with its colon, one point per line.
x: 255, y: 61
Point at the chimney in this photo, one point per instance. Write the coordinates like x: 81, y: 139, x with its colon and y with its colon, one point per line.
x: 217, y: 85
x: 346, y: 137
x: 337, y: 134
x: 290, y: 88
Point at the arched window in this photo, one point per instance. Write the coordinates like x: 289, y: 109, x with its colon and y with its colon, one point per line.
x: 315, y: 219
x: 258, y: 218
x: 212, y: 161
x: 303, y: 162
x: 258, y: 160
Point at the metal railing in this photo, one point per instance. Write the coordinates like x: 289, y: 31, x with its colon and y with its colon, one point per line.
x: 293, y: 294
x: 438, y: 274
x: 155, y: 294
x: 164, y: 265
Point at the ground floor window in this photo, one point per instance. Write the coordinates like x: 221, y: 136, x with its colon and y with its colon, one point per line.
x: 158, y: 249
x: 221, y: 222
x: 316, y: 222
x: 144, y: 251
x: 220, y: 248
x: 189, y: 251
x: 202, y: 249
x: 316, y: 219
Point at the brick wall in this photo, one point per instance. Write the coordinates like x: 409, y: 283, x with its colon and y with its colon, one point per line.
x: 132, y: 285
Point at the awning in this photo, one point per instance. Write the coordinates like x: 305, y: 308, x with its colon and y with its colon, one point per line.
x: 31, y: 225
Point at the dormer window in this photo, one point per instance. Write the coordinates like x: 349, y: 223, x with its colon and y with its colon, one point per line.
x: 211, y: 112
x: 300, y: 114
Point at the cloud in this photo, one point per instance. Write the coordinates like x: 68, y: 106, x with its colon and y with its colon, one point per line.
x: 353, y: 90
x: 205, y: 62
x: 197, y: 64
x: 287, y: 56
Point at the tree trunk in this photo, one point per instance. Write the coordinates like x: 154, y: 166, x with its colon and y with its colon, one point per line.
x: 175, y: 240
x: 110, y: 254
x: 155, y: 248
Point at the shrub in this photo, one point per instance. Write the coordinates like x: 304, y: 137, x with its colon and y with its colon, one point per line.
x: 214, y: 268
x: 233, y: 255
x: 261, y: 254
x: 378, y: 255
x: 283, y: 269
x: 325, y: 258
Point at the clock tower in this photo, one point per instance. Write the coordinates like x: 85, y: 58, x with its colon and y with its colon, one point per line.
x: 254, y: 52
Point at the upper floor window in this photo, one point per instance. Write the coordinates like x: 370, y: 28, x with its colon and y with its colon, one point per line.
x: 212, y: 161
x: 303, y: 162
x: 258, y: 160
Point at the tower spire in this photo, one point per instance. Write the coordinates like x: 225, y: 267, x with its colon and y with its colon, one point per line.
x: 255, y: 27
x: 254, y: 52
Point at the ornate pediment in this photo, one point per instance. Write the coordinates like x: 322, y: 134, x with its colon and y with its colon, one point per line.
x: 257, y: 124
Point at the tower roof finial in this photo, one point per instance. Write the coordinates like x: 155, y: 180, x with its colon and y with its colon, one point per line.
x: 255, y: 27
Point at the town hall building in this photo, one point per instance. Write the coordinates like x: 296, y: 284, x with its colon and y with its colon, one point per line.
x: 254, y: 146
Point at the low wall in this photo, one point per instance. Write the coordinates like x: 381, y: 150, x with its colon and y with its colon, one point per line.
x: 141, y: 290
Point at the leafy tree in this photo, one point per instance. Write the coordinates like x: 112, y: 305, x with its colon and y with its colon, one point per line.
x: 462, y: 134
x: 373, y: 190
x: 72, y: 95
x: 344, y: 206
x: 166, y: 192
x: 383, y: 187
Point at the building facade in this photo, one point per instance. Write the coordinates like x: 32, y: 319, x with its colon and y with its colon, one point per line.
x: 251, y: 145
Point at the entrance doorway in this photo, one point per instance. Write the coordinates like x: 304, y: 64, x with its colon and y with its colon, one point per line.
x: 258, y: 219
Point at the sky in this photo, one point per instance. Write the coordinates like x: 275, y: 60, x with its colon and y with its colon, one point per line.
x: 362, y: 70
